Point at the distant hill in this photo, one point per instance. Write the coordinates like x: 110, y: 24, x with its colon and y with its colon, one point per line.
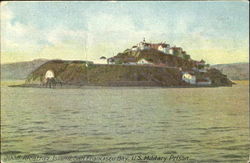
x: 20, y: 70
x: 234, y: 71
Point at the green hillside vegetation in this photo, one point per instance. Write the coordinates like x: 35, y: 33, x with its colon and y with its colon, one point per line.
x: 218, y: 79
x: 157, y: 57
x: 70, y: 72
x: 77, y: 73
x: 123, y: 70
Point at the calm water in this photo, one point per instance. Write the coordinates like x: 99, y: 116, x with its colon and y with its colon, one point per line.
x: 204, y: 124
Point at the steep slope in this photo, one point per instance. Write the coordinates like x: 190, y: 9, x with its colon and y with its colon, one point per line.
x: 157, y: 57
x: 76, y: 73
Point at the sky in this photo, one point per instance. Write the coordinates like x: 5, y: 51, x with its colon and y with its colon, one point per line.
x: 217, y: 32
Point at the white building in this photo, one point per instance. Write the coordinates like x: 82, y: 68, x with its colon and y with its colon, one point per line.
x: 49, y: 74
x: 189, y: 78
x: 164, y: 48
x: 134, y: 48
x: 171, y: 51
x: 144, y: 62
x: 143, y: 46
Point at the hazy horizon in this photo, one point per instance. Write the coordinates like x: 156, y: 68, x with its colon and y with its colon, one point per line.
x: 214, y: 31
x: 88, y: 60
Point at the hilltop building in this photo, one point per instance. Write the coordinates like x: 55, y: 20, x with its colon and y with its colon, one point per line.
x: 130, y: 56
x: 163, y: 47
x: 143, y: 45
x: 177, y: 51
x: 158, y: 46
x: 134, y: 48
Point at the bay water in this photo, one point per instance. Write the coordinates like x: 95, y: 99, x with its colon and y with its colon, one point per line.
x: 125, y: 124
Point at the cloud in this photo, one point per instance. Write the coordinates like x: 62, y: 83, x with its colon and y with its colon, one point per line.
x: 109, y: 23
x: 4, y: 3
x: 106, y: 34
x: 6, y: 13
x: 62, y: 34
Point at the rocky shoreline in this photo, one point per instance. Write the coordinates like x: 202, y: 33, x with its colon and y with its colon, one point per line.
x: 67, y: 86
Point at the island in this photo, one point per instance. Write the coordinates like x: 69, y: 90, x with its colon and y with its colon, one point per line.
x: 144, y: 64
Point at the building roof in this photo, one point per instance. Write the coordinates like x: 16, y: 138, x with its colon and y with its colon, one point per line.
x: 165, y: 45
x: 154, y: 45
